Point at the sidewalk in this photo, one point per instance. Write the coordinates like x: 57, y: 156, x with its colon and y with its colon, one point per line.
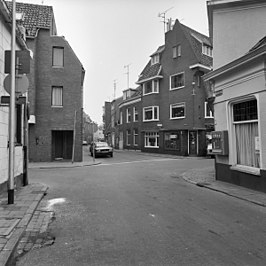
x: 206, y: 178
x: 14, y: 218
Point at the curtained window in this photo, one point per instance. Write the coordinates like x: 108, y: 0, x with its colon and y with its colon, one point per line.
x: 58, y: 56
x: 245, y: 119
x: 57, y: 96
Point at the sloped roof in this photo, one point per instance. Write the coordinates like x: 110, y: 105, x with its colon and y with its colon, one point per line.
x: 259, y: 44
x: 35, y: 17
x: 196, y: 39
x: 150, y: 70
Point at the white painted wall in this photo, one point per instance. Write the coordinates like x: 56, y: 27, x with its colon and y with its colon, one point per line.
x: 5, y: 44
x: 236, y: 31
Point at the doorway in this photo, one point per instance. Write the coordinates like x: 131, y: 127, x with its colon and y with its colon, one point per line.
x: 193, y: 140
x: 62, y: 142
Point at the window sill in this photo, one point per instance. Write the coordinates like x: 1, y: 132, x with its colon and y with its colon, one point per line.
x: 246, y: 169
x: 57, y: 66
x: 175, y: 118
x: 151, y: 120
x: 149, y: 93
x: 57, y: 106
x: 173, y: 89
x: 153, y: 147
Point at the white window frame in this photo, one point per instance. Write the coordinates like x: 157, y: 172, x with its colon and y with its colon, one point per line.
x: 151, y: 108
x: 155, y: 86
x: 179, y: 87
x: 206, y: 111
x: 135, y: 114
x: 128, y: 114
x: 177, y: 105
x: 58, y: 103
x: 155, y: 59
x: 147, y: 135
x: 207, y: 50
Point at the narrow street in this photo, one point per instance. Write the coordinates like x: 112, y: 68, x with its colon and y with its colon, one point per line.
x: 134, y: 209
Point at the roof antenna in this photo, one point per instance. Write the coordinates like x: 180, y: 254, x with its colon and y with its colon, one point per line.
x: 162, y: 15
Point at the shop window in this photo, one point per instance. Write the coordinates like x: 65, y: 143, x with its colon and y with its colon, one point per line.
x: 151, y: 140
x: 172, y: 141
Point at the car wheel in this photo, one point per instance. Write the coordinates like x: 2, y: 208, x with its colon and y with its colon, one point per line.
x: 111, y: 154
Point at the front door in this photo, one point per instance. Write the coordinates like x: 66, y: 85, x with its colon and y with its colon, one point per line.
x: 193, y: 143
x: 62, y: 142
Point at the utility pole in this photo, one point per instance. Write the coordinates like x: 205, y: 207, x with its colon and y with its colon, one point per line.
x: 127, y: 73
x: 12, y: 110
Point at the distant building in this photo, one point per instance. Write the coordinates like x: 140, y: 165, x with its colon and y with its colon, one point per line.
x: 56, y: 88
x: 130, y: 120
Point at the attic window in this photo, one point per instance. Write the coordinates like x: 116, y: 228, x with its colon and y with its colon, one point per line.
x: 20, y: 16
x: 155, y: 59
x: 207, y: 50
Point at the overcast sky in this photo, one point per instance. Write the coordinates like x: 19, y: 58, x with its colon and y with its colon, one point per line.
x: 108, y: 35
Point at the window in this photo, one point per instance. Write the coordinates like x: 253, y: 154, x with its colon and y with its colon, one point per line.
x: 151, y: 86
x: 177, y: 81
x: 151, y: 140
x: 151, y: 113
x: 18, y: 124
x: 135, y: 114
x: 177, y: 110
x: 208, y: 111
x: 128, y: 115
x: 155, y: 59
x: 128, y: 137
x: 176, y: 51
x: 58, y: 56
x: 135, y: 137
x: 121, y: 118
x: 245, y: 122
x: 172, y: 141
x: 207, y: 50
x: 57, y: 96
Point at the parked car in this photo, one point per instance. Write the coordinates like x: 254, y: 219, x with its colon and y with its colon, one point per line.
x: 101, y: 148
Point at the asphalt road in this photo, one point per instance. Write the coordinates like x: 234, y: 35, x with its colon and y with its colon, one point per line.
x: 136, y: 210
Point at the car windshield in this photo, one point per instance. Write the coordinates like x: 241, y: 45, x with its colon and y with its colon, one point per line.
x: 101, y: 144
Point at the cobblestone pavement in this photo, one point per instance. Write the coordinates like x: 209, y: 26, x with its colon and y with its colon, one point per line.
x: 14, y: 218
x: 36, y: 234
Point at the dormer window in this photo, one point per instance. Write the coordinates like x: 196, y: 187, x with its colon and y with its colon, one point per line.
x: 155, y: 59
x: 20, y: 16
x: 207, y: 50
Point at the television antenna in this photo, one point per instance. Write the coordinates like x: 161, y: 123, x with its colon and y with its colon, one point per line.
x: 162, y: 15
x: 127, y: 73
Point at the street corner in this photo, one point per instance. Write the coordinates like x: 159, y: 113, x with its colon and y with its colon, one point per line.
x: 200, y: 177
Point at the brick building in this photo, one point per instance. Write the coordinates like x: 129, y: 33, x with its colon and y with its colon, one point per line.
x: 56, y: 88
x: 130, y: 119
x: 175, y: 113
